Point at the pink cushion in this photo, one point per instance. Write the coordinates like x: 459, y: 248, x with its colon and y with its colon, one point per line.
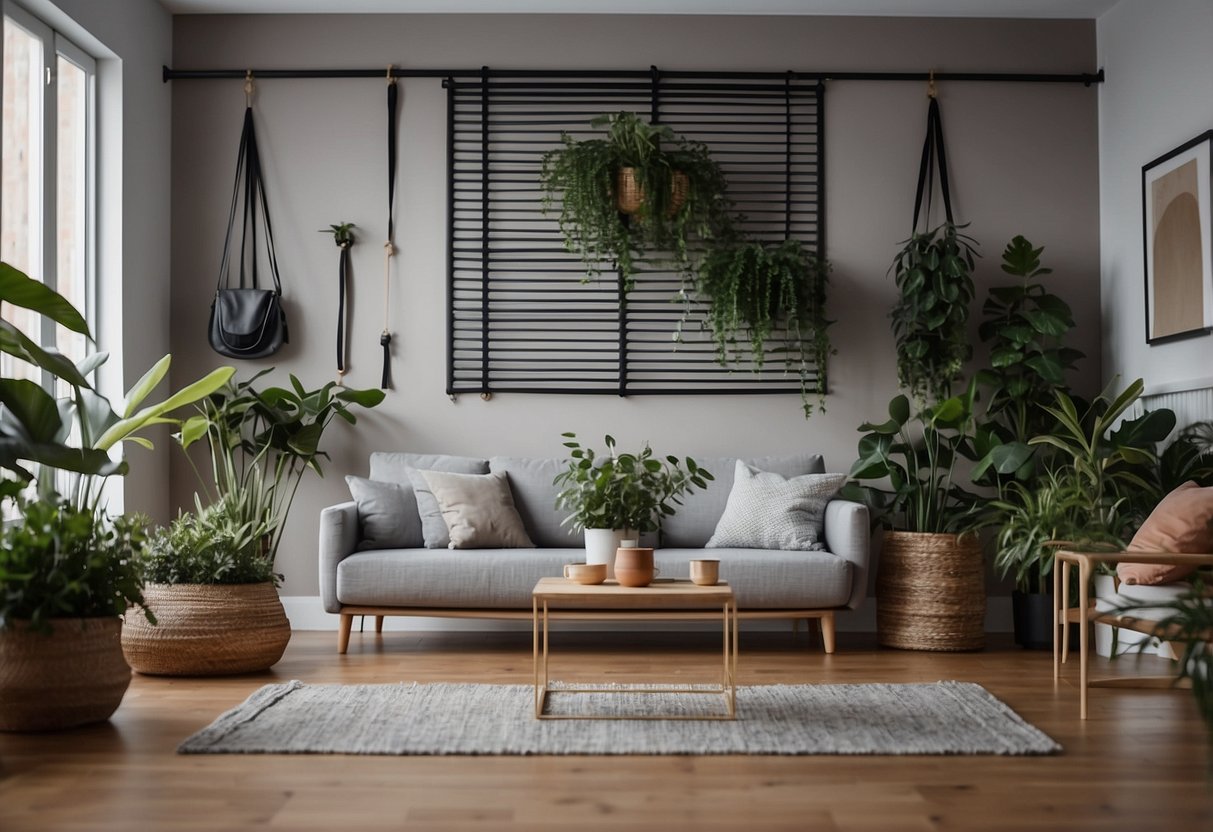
x: 1182, y: 522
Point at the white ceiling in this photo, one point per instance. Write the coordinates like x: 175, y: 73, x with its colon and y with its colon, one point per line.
x: 891, y: 8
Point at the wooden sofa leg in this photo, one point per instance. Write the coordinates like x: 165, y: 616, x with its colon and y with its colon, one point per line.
x: 827, y: 631
x: 343, y: 632
x: 379, y: 624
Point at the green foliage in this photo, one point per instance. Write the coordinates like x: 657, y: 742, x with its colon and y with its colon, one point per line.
x: 1024, y: 326
x: 754, y: 289
x: 933, y: 272
x: 624, y: 491
x: 212, y: 546
x: 262, y: 442
x: 63, y: 561
x: 583, y: 174
x: 923, y: 494
x: 343, y: 233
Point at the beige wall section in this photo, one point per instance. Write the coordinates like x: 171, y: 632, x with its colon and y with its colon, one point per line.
x: 132, y: 40
x: 1160, y: 68
x: 1023, y: 161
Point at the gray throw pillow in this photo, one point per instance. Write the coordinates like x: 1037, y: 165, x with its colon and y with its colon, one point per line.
x: 478, y: 510
x: 433, y: 527
x: 387, y: 514
x: 768, y: 511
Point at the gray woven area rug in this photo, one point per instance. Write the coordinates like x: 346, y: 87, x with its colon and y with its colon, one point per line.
x: 428, y: 719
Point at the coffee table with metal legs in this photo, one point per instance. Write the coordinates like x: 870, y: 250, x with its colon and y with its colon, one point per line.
x: 559, y: 599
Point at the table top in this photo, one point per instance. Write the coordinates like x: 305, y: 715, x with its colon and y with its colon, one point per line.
x: 657, y: 595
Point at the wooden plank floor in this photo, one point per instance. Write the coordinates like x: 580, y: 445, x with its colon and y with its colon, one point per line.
x: 1139, y: 763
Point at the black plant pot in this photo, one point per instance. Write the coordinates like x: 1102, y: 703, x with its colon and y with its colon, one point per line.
x: 1032, y: 613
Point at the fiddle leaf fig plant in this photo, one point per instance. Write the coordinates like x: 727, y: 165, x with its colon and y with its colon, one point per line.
x: 933, y: 272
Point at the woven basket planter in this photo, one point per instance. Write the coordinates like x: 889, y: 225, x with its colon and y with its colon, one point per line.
x: 73, y: 676
x: 930, y: 592
x: 207, y: 630
x: 629, y: 195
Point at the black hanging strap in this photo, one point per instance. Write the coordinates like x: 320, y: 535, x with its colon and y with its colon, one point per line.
x: 389, y: 248
x: 248, y: 173
x: 933, y: 149
x: 342, y: 272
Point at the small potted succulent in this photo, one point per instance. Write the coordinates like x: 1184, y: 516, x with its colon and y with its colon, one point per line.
x: 615, y: 496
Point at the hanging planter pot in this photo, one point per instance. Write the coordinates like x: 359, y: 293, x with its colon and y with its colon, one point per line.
x: 630, y: 196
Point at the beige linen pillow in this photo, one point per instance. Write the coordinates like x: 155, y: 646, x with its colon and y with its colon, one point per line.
x: 478, y: 510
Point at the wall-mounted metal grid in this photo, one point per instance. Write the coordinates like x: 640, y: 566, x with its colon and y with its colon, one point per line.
x: 520, y: 318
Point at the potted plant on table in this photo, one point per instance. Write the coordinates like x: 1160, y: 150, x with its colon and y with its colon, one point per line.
x: 615, y: 496
x: 211, y: 575
x: 642, y: 187
x: 753, y: 290
x: 68, y: 571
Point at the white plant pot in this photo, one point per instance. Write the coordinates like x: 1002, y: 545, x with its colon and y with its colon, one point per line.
x: 1127, y: 641
x: 600, y: 547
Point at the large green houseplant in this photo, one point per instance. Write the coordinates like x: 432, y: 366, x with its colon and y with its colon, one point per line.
x: 211, y: 574
x: 681, y: 194
x: 613, y: 496
x: 754, y: 291
x: 67, y: 570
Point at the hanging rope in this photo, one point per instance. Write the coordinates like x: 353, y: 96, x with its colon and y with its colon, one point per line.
x: 343, y: 236
x: 389, y: 248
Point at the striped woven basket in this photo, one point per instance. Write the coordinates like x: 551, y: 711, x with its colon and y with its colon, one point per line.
x: 629, y: 195
x: 207, y: 630
x: 73, y: 676
x: 930, y: 592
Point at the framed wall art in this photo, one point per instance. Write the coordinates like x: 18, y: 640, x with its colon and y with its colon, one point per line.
x: 1178, y: 227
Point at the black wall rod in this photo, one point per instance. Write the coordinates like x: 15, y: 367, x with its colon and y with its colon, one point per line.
x: 1085, y: 78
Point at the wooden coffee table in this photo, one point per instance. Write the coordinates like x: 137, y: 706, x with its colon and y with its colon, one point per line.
x: 561, y: 599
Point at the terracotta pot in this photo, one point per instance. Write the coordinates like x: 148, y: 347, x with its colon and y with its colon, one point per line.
x: 207, y: 630
x: 72, y: 676
x: 634, y: 567
x: 629, y: 195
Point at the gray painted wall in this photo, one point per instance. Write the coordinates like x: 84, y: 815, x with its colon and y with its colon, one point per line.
x: 1160, y: 69
x: 132, y: 40
x: 1024, y: 160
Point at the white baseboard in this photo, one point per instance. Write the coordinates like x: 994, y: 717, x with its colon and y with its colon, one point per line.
x: 306, y: 612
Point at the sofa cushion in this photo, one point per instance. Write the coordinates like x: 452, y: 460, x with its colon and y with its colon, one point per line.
x: 478, y: 510
x: 770, y: 578
x: 535, y: 498
x: 1182, y: 522
x: 769, y: 511
x: 395, y: 467
x: 695, y: 520
x: 504, y: 578
x: 458, y: 578
x: 387, y: 514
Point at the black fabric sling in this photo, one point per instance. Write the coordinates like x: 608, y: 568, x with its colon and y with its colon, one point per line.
x: 343, y: 269
x: 932, y: 148
x: 385, y: 339
x: 248, y: 321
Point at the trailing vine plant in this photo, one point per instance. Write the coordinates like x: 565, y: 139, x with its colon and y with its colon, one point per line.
x: 683, y: 187
x: 755, y: 290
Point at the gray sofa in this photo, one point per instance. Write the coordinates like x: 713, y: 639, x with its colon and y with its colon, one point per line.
x: 497, y: 583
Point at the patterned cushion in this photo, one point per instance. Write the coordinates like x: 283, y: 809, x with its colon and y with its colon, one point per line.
x: 768, y: 511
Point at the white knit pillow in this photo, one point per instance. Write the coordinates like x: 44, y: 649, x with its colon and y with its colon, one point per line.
x: 769, y: 511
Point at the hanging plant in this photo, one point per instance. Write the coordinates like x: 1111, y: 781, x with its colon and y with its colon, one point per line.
x: 642, y: 188
x: 756, y: 290
x: 933, y: 271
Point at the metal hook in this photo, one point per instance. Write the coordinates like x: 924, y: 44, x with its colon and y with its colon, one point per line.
x: 249, y: 86
x: 390, y: 79
x: 931, y: 84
